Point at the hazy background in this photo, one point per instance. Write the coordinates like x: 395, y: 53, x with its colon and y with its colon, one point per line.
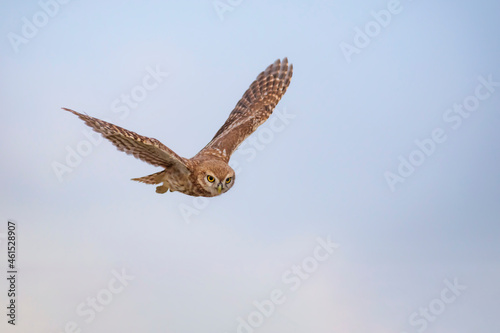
x: 320, y: 175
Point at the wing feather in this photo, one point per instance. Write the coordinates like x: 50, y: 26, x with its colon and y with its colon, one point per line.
x: 146, y: 149
x: 253, y: 109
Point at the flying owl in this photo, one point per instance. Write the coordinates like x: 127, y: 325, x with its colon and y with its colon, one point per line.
x: 207, y: 174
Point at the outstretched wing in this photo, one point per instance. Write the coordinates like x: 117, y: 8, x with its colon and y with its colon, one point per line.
x: 253, y: 109
x: 147, y: 149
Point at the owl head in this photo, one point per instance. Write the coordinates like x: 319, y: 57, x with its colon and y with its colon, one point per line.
x: 215, y: 177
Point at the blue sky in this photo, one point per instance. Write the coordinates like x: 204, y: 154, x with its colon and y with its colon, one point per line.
x: 390, y: 151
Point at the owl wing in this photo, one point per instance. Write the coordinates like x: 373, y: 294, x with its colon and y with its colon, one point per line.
x: 253, y: 109
x: 147, y: 149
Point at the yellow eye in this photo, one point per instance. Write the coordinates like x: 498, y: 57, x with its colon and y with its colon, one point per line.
x: 210, y: 178
x: 228, y: 180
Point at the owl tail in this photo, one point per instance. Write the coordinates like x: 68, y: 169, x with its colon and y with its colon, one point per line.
x: 155, y: 178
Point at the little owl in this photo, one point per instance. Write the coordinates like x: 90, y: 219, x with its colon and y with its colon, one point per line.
x: 207, y: 174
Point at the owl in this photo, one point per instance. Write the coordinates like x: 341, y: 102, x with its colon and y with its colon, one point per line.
x: 208, y: 173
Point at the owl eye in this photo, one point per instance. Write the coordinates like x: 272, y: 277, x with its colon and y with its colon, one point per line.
x: 210, y: 178
x: 228, y: 180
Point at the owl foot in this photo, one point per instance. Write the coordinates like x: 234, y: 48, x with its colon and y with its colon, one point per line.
x: 161, y: 189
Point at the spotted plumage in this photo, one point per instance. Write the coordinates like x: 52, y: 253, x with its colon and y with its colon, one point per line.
x: 206, y: 174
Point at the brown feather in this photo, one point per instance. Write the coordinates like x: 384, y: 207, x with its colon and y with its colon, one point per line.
x: 253, y: 109
x: 146, y: 149
x: 154, y: 178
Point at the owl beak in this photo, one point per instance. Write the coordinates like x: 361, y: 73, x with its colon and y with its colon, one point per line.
x: 219, y: 188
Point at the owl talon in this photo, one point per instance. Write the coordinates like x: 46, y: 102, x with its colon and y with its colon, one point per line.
x: 161, y: 189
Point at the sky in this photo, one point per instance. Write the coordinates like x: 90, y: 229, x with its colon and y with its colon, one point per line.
x: 368, y: 202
